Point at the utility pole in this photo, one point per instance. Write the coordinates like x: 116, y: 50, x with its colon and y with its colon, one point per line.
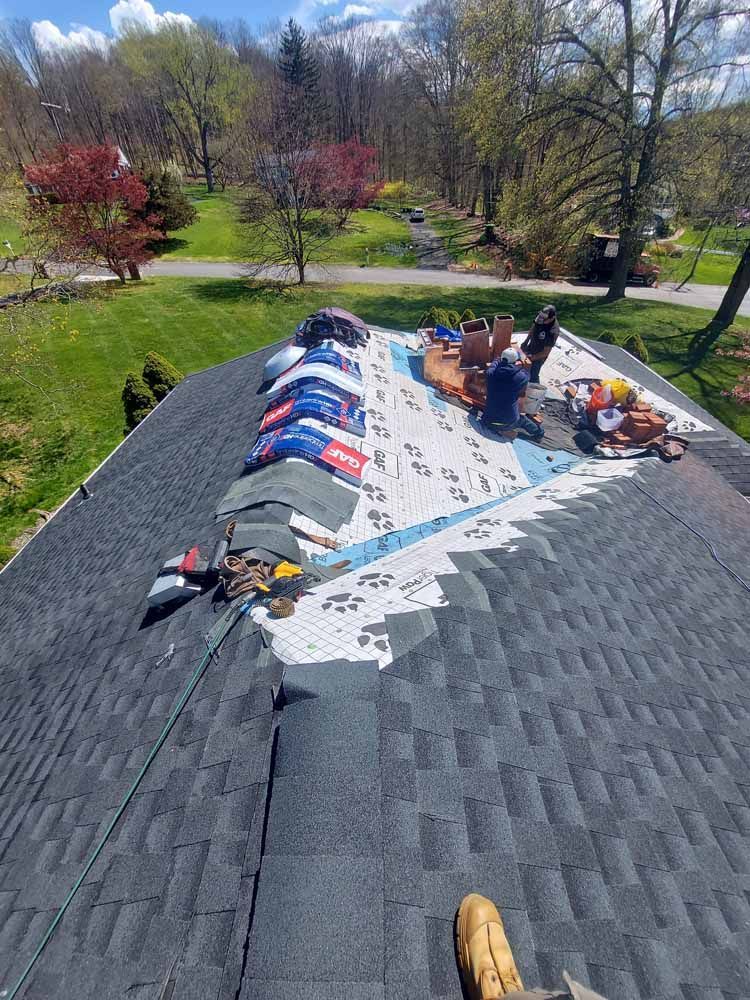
x: 52, y: 108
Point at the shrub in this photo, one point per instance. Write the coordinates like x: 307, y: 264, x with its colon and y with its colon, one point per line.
x: 453, y: 317
x: 432, y: 317
x: 137, y: 398
x: 467, y: 315
x: 608, y: 337
x: 634, y: 345
x: 160, y: 375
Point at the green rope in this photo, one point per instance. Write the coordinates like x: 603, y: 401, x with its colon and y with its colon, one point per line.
x: 221, y: 629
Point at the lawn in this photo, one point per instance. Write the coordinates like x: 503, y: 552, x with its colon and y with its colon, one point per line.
x: 712, y: 268
x: 49, y: 443
x: 216, y: 235
x: 460, y: 233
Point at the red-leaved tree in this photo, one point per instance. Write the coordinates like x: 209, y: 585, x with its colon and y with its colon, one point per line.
x: 86, y: 199
x: 345, y: 173
x: 298, y: 196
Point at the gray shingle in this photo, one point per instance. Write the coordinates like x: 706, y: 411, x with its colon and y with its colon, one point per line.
x: 318, y: 918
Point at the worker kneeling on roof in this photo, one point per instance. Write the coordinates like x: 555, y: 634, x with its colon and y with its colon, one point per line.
x: 506, y: 384
x: 540, y: 340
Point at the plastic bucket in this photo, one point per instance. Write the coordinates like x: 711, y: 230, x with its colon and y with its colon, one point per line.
x: 609, y: 420
x: 535, y: 393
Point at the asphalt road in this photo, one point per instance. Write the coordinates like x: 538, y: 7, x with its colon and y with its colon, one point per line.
x: 701, y: 296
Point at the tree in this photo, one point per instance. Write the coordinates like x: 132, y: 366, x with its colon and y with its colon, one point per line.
x: 137, y: 399
x: 736, y: 292
x: 630, y: 70
x: 433, y: 47
x: 299, y: 195
x: 86, y: 201
x: 160, y: 374
x: 300, y: 78
x: 345, y: 174
x: 503, y: 42
x: 168, y: 201
x: 297, y: 63
x: 199, y: 83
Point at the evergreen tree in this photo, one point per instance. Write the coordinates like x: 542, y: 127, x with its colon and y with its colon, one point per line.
x: 297, y: 64
x: 300, y: 74
x: 167, y: 200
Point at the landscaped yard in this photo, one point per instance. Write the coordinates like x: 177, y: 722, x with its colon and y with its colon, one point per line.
x: 216, y: 235
x: 50, y: 443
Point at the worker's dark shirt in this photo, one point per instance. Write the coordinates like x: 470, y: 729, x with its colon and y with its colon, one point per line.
x: 505, y: 383
x: 541, y: 337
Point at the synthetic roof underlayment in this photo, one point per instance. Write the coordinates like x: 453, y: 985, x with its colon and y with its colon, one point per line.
x: 437, y: 482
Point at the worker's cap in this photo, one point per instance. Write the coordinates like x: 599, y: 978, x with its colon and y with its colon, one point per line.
x: 511, y: 355
x: 546, y: 314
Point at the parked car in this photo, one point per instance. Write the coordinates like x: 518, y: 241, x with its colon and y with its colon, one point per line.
x: 417, y: 215
x: 596, y: 258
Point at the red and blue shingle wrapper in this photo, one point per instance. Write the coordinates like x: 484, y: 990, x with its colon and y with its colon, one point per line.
x: 317, y: 406
x: 329, y: 356
x: 299, y: 441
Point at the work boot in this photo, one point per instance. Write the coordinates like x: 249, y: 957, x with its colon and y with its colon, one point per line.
x: 484, y: 956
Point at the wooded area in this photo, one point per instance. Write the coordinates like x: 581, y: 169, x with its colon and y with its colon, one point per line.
x: 549, y: 118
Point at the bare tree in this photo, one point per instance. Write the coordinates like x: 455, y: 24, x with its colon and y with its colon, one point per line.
x: 632, y: 70
x: 434, y: 51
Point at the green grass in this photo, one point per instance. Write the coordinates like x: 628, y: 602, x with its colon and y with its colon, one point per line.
x: 216, y: 236
x: 720, y: 238
x: 712, y: 268
x: 11, y: 231
x: 458, y: 234
x: 50, y: 442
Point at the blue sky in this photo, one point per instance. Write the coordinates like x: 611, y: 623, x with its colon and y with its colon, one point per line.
x: 93, y: 22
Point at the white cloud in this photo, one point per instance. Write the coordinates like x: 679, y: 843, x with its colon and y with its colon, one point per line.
x: 357, y: 10
x: 308, y: 11
x: 387, y: 25
x: 48, y: 36
x: 142, y: 12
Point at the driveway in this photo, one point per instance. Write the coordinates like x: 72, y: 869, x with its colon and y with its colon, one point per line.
x: 429, y: 247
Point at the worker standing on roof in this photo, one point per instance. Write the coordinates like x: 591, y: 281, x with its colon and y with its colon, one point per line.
x: 506, y: 385
x: 540, y: 340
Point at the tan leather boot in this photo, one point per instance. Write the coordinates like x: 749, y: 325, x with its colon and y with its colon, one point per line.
x: 484, y: 956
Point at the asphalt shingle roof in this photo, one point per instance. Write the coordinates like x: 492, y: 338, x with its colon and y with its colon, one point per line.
x: 571, y: 737
x: 580, y: 753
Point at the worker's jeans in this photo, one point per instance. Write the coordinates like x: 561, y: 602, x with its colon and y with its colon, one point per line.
x: 524, y: 423
x: 535, y: 370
